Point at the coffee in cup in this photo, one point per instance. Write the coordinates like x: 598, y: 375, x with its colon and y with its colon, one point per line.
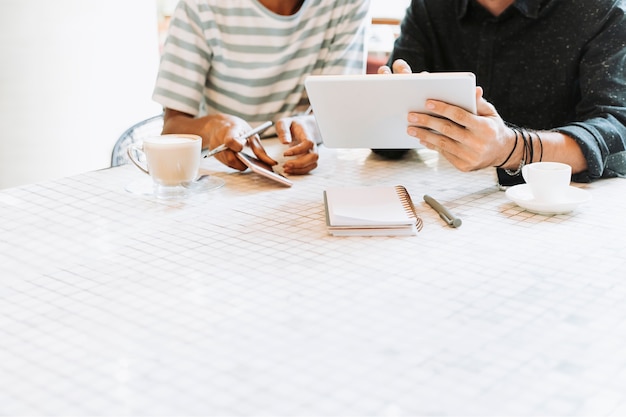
x: 548, y: 181
x: 172, y: 161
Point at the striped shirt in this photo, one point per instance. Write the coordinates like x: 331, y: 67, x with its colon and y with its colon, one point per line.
x: 239, y: 58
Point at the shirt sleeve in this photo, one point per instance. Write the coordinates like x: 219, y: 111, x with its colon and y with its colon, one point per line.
x: 601, y: 127
x: 347, y: 52
x: 184, y: 63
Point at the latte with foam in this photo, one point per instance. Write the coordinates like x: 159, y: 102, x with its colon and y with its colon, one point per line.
x: 173, y: 159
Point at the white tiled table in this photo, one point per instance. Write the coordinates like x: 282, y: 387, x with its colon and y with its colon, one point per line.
x: 237, y: 302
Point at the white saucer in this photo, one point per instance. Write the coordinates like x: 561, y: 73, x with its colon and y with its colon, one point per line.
x: 521, y: 195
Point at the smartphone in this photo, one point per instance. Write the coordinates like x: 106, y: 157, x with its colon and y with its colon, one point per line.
x: 263, y: 169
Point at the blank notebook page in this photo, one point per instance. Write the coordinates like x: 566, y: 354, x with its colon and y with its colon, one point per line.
x: 360, y: 206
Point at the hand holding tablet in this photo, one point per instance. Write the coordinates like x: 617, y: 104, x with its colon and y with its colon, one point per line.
x: 370, y: 111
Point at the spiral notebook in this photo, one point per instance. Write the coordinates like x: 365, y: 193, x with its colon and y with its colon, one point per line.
x: 370, y: 211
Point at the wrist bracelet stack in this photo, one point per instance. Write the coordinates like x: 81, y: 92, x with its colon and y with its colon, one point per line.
x: 528, y: 151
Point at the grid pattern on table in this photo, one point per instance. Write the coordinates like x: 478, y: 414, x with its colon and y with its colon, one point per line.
x: 237, y: 301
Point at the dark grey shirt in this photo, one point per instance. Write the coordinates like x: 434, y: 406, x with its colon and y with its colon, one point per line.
x: 544, y: 64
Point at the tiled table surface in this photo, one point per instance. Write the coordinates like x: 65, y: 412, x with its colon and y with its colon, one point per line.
x: 237, y: 301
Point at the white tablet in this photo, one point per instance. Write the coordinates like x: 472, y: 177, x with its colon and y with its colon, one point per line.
x: 370, y: 110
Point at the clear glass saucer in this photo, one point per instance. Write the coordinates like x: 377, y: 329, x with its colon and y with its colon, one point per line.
x: 146, y: 187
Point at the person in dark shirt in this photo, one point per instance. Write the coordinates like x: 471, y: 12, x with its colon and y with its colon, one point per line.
x: 551, y: 77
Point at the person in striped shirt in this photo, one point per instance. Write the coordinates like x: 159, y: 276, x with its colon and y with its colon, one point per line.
x: 230, y: 65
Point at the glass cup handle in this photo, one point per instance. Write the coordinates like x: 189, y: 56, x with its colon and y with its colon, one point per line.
x: 131, y: 154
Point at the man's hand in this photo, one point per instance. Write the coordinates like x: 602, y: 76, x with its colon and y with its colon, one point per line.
x: 469, y: 141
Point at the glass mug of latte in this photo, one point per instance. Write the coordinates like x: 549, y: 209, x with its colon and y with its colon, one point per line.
x: 173, y: 162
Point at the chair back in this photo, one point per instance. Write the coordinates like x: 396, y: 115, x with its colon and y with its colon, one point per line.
x: 152, y: 126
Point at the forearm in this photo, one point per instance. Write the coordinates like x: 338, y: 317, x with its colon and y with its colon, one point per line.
x: 534, y: 146
x: 602, y: 140
x: 206, y: 126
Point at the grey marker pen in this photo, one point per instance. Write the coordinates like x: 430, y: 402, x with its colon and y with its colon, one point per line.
x: 443, y: 212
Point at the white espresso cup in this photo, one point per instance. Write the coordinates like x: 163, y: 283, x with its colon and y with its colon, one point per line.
x: 548, y: 181
x: 173, y: 162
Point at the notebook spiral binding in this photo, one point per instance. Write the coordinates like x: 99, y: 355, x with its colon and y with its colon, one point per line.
x: 407, y: 203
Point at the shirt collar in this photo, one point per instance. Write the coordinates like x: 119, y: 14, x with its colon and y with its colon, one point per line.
x: 528, y: 8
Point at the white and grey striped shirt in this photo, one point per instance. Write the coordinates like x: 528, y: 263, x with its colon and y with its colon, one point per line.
x: 237, y: 57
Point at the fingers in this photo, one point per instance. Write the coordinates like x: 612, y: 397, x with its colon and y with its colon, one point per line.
x: 294, y: 130
x: 469, y: 141
x: 458, y: 115
x: 224, y: 135
x: 282, y: 130
x: 255, y: 144
x: 447, y: 112
x: 302, y: 165
x: 456, y: 152
x: 300, y: 149
x: 431, y: 139
x: 483, y: 107
x: 479, y: 92
x: 301, y: 133
x: 445, y: 134
x: 233, y: 144
x: 400, y: 66
x: 228, y: 158
x: 452, y: 127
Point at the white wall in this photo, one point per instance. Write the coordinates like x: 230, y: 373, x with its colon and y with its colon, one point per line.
x: 393, y: 9
x: 166, y: 7
x: 73, y: 75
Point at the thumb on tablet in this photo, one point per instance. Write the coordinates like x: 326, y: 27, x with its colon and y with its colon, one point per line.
x: 400, y: 66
